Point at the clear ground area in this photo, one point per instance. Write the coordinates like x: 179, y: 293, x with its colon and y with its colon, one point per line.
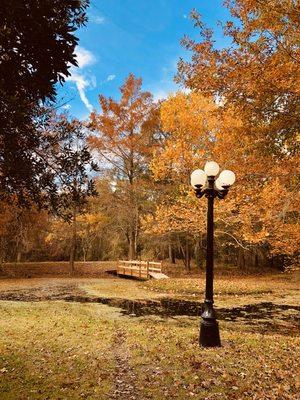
x: 89, y: 338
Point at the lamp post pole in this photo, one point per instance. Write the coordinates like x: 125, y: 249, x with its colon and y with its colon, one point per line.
x: 205, y: 183
x: 209, y: 328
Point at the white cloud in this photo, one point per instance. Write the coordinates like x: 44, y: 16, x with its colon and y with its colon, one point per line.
x: 110, y: 78
x: 66, y: 106
x: 84, y: 58
x: 185, y: 90
x: 97, y: 19
x: 160, y: 94
x: 163, y: 94
x: 93, y: 81
x: 82, y: 84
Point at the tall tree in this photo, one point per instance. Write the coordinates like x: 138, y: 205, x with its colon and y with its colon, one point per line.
x: 258, y: 75
x: 72, y: 165
x: 255, y: 83
x: 37, y: 44
x: 192, y: 128
x: 124, y: 140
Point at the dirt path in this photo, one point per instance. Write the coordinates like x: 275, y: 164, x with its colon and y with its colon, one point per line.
x: 124, y: 376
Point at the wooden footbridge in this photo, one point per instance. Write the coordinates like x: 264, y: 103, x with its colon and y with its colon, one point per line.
x: 141, y: 269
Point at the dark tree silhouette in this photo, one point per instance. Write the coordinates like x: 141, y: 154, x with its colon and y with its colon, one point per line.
x: 69, y: 167
x: 37, y: 45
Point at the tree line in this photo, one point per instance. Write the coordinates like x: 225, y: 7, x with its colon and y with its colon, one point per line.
x: 117, y: 185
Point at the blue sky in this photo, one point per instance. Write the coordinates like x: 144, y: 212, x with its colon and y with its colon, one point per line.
x: 139, y: 36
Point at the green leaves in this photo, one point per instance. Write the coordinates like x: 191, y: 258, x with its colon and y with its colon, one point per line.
x: 37, y: 49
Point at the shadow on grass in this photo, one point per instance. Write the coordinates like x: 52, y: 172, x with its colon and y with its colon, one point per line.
x: 265, y: 316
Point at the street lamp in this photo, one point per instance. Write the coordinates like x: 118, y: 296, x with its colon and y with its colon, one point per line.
x: 205, y: 183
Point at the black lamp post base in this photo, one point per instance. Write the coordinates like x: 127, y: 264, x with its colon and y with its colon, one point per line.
x: 209, y: 333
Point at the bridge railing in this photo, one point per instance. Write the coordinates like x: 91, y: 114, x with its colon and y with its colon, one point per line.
x: 138, y: 269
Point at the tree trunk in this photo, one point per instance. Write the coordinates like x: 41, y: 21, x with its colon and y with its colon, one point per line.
x: 187, y: 255
x: 198, y: 254
x: 241, y: 258
x: 134, y: 218
x: 256, y: 259
x: 132, y: 246
x: 19, y: 256
x: 171, y: 254
x: 73, y: 242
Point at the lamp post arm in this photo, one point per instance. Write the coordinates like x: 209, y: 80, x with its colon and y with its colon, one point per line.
x: 199, y: 192
x: 221, y: 194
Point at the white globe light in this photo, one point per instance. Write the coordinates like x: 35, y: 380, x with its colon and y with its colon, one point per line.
x: 211, y: 168
x: 198, y: 177
x: 227, y: 177
x: 218, y: 184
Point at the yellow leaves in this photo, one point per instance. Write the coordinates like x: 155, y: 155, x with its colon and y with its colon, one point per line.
x: 261, y: 208
x: 49, y: 237
x: 123, y: 130
x: 187, y: 115
x: 271, y: 216
x: 59, y: 232
x: 6, y: 216
x: 92, y: 218
x: 90, y: 224
x: 191, y: 124
x: 186, y: 214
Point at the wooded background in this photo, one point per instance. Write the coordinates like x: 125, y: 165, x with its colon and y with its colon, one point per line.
x: 117, y: 185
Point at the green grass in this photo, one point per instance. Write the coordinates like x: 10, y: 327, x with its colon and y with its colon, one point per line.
x: 248, y: 366
x: 54, y: 350
x: 244, y: 285
x: 57, y: 350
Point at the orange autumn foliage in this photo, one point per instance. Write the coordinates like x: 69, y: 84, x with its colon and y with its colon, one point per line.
x: 195, y: 134
x: 123, y: 139
x: 253, y: 125
x: 121, y: 131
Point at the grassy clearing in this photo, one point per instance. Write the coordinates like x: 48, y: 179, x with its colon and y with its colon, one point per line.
x: 119, y: 288
x: 66, y: 351
x: 54, y: 351
x: 57, y: 350
x: 248, y: 366
x: 226, y: 285
x: 232, y: 291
